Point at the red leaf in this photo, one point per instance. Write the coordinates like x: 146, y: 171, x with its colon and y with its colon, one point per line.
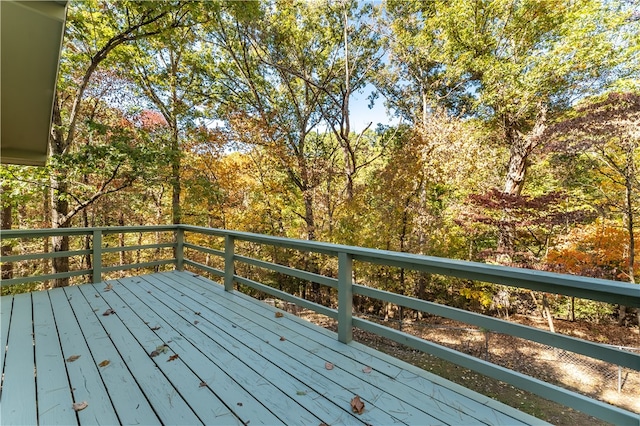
x: 173, y: 357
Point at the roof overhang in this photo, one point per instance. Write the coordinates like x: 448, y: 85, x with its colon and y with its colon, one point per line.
x: 31, y: 41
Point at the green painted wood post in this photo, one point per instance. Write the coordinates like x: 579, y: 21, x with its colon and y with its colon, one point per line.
x: 229, y: 268
x: 180, y: 249
x: 97, y: 255
x: 345, y: 297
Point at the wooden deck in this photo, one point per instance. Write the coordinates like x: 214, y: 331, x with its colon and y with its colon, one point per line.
x: 228, y: 359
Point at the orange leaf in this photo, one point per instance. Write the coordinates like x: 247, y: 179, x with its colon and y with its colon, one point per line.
x: 104, y: 363
x: 173, y: 357
x: 357, y: 405
x: 328, y: 365
x: 279, y: 314
x: 73, y: 358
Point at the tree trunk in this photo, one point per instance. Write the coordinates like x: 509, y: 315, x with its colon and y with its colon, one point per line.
x: 520, y: 147
x: 7, y: 221
x: 59, y: 211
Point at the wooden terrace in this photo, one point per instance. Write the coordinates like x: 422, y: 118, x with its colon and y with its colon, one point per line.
x: 177, y: 348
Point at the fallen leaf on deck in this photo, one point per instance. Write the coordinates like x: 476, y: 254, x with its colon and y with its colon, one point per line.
x: 108, y: 287
x: 108, y: 312
x: 367, y: 370
x: 239, y: 404
x: 196, y: 275
x: 196, y: 322
x: 97, y: 295
x: 162, y: 348
x: 279, y: 314
x: 104, y: 363
x: 149, y: 291
x: 154, y: 354
x: 301, y: 392
x: 282, y: 339
x: 73, y: 358
x: 328, y: 366
x: 173, y: 357
x: 203, y: 384
x: 357, y: 406
x: 155, y: 328
x: 79, y: 406
x: 323, y: 424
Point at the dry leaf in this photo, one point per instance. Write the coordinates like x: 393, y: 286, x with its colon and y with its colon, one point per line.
x: 97, y: 295
x: 357, y: 406
x: 154, y: 354
x: 367, y: 370
x: 203, y: 384
x: 196, y: 322
x: 162, y: 348
x: 282, y: 339
x: 104, y: 363
x: 79, y: 406
x: 173, y: 357
x: 328, y: 365
x: 155, y: 328
x: 301, y: 393
x: 279, y: 314
x: 239, y: 404
x: 323, y: 424
x: 108, y: 312
x: 73, y: 358
x: 108, y: 287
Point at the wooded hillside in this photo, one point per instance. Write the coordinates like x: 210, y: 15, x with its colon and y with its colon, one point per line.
x: 517, y: 139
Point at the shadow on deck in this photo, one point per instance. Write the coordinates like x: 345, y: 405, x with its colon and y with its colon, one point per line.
x: 175, y: 348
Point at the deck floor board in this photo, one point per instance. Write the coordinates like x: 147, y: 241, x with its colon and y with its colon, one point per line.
x: 228, y: 360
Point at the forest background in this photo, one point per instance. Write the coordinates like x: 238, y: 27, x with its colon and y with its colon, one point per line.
x: 518, y: 124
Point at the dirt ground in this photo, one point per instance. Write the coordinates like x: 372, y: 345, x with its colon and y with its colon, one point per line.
x: 585, y: 375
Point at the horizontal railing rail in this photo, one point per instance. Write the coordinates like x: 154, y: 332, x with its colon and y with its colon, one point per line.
x: 574, y: 286
x: 96, y: 251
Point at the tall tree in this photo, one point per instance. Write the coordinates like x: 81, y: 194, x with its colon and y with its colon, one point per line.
x: 522, y: 61
x: 168, y: 70
x: 95, y: 30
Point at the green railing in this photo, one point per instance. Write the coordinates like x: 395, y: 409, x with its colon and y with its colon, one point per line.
x: 569, y: 285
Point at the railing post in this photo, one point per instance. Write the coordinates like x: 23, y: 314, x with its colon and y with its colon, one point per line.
x: 345, y: 297
x: 229, y: 268
x: 97, y: 255
x: 179, y: 248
